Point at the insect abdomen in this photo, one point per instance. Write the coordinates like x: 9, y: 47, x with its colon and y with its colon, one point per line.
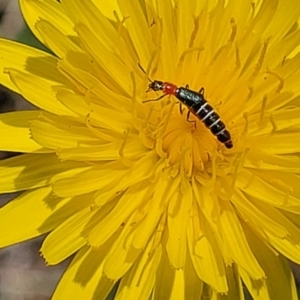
x: 205, y: 113
x: 212, y: 121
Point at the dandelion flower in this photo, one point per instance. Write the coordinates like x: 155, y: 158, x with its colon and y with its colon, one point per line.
x: 144, y: 197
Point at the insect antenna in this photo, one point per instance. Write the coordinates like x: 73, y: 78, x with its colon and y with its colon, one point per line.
x: 143, y: 70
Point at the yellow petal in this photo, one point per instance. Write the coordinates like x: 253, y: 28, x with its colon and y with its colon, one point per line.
x: 285, y: 182
x: 30, y: 171
x: 137, y: 174
x: 66, y: 239
x: 29, y: 212
x: 270, y: 193
x: 209, y: 206
x: 283, y: 119
x: 206, y: 256
x: 178, y: 219
x: 193, y: 285
x: 108, y: 8
x: 116, y: 71
x: 61, y: 134
x: 273, y: 286
x: 74, y: 102
x: 168, y: 37
x: 138, y: 282
x: 285, y: 46
x: 122, y: 255
x: 257, y: 25
x: 282, y: 143
x: 84, y: 278
x: 170, y: 282
x: 104, y: 152
x: 185, y: 24
x: 236, y: 243
x: 263, y: 219
x: 41, y: 94
x: 90, y: 84
x: 58, y: 42
x: 268, y: 161
x: 92, y: 179
x: 288, y: 247
x: 289, y: 11
x: 119, y: 214
x: 34, y: 10
x: 101, y: 117
x: 164, y: 190
x: 27, y: 59
x: 137, y: 26
x: 236, y: 288
x: 15, y: 133
x: 88, y: 14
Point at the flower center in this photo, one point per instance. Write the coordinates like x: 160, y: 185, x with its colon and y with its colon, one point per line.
x: 183, y: 140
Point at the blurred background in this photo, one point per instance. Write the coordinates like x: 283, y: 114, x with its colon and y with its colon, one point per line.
x: 23, y: 273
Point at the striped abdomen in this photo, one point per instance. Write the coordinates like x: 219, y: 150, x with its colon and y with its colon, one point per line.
x: 205, y: 112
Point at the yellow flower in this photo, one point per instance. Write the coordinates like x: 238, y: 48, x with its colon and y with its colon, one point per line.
x: 144, y: 196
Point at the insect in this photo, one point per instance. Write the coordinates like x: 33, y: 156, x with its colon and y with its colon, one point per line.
x: 196, y: 104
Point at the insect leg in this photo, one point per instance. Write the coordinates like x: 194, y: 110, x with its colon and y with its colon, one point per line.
x: 201, y: 91
x: 156, y: 99
x: 180, y: 108
x: 188, y: 119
